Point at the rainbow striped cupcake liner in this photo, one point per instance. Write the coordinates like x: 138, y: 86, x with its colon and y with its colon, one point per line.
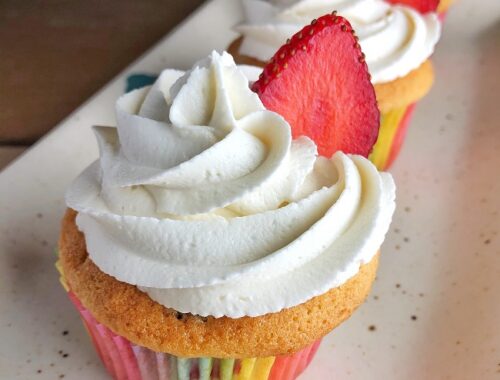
x: 127, y: 361
x: 392, y: 132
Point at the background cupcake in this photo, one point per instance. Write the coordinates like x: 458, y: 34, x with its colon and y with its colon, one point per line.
x: 397, y: 42
x: 206, y: 243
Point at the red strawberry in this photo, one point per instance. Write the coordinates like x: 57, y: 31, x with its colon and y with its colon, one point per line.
x: 423, y: 6
x: 319, y: 82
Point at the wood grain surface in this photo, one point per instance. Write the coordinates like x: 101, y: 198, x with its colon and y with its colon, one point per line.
x: 55, y: 54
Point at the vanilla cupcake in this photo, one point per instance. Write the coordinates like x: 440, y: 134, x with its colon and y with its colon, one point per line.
x: 206, y: 243
x: 397, y: 42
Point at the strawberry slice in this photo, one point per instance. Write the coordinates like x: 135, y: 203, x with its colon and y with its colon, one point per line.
x: 319, y: 82
x: 423, y: 6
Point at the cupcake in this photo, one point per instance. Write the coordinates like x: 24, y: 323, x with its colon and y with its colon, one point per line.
x: 206, y: 242
x: 397, y: 41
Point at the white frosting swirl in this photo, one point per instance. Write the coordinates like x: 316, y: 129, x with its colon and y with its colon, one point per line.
x: 395, y: 39
x: 201, y: 199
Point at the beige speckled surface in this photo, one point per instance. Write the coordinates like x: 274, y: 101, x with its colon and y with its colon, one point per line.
x: 434, y: 310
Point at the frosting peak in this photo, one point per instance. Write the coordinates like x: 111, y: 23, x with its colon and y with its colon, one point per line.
x: 395, y: 39
x: 201, y: 199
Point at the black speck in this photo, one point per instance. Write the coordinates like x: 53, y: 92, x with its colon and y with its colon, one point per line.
x: 372, y: 328
x: 375, y: 298
x: 413, y: 317
x: 65, y: 332
x: 179, y: 316
x: 420, y: 294
x: 65, y: 355
x: 398, y: 285
x: 61, y: 376
x: 406, y: 239
x: 52, y: 364
x: 487, y: 241
x: 39, y: 371
x: 60, y: 352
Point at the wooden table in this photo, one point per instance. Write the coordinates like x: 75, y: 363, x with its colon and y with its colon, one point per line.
x: 55, y: 54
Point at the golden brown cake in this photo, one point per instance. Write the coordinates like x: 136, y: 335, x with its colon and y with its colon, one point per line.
x: 406, y: 90
x: 132, y: 314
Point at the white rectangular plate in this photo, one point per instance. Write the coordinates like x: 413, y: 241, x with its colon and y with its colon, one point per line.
x: 435, y: 307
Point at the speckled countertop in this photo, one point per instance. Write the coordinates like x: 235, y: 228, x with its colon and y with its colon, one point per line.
x: 434, y: 311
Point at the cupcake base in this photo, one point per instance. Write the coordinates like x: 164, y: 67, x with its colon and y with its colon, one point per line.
x: 186, y: 335
x: 127, y: 361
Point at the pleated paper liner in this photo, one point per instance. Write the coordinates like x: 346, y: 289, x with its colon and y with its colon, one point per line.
x: 393, y: 127
x: 127, y: 361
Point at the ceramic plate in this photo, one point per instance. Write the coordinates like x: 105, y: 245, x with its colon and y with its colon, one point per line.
x: 434, y: 312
